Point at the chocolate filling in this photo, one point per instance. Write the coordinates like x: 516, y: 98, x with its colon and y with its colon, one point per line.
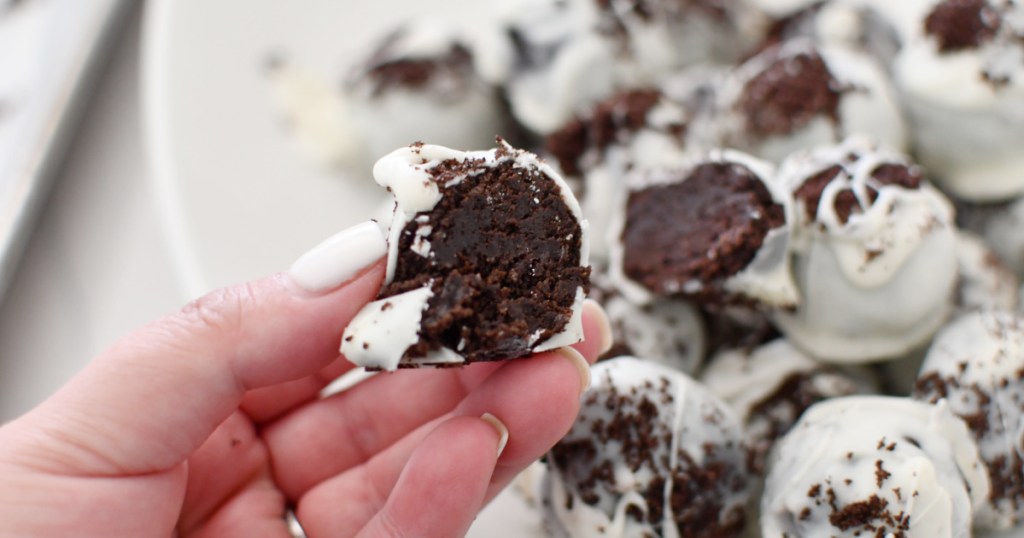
x: 962, y: 24
x: 689, y: 237
x: 504, y: 259
x: 789, y: 93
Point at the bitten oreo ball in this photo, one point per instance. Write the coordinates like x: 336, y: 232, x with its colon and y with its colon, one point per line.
x: 976, y: 365
x: 487, y: 260
x: 652, y: 454
x: 714, y: 230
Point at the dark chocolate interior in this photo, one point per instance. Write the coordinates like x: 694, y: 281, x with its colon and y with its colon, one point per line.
x: 504, y: 262
x: 704, y: 228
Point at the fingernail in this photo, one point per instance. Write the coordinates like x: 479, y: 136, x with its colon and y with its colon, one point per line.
x: 581, y: 364
x: 502, y: 430
x: 338, y: 259
x: 594, y: 310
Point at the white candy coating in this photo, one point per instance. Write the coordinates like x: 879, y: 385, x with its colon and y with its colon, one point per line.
x: 854, y: 465
x: 1003, y: 234
x: 379, y: 337
x: 977, y: 365
x: 667, y: 331
x: 880, y: 284
x: 867, y: 103
x: 650, y: 402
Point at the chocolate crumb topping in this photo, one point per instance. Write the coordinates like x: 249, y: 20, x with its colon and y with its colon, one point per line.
x: 789, y: 93
x: 846, y: 202
x: 689, y: 237
x: 811, y: 190
x: 962, y: 24
x: 637, y: 435
x: 871, y: 514
x: 503, y: 263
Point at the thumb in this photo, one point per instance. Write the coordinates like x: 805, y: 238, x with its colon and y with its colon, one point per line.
x: 148, y: 402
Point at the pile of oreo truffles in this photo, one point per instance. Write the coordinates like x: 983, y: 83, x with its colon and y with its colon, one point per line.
x: 807, y: 227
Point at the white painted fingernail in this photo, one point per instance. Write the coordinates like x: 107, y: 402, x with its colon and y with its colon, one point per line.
x: 338, y: 259
x: 502, y: 430
x: 581, y: 364
x: 594, y: 310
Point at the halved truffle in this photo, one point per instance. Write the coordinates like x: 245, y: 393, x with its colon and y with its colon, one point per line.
x: 488, y: 260
x: 715, y: 231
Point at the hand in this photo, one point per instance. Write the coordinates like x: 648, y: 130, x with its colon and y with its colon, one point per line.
x: 209, y: 423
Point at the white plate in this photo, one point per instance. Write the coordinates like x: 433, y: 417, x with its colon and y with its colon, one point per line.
x: 237, y: 199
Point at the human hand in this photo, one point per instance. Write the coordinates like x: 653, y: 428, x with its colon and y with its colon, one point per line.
x: 208, y: 422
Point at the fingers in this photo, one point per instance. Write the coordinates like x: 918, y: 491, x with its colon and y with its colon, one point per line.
x: 231, y: 458
x: 333, y: 435
x: 439, y: 491
x: 152, y: 399
x: 537, y: 399
x: 341, y: 432
x: 257, y: 511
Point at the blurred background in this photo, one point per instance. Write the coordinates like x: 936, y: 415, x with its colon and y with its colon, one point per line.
x: 85, y: 260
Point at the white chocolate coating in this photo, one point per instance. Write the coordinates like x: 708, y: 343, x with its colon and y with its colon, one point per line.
x: 694, y: 430
x: 405, y: 173
x: 667, y: 331
x: 868, y: 104
x: 1002, y: 233
x: 880, y: 284
x: 766, y: 279
x: 985, y: 283
x: 907, y: 466
x: 977, y: 365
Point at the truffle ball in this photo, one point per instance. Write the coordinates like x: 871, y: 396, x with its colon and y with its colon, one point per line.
x: 874, y: 466
x: 800, y: 94
x: 874, y: 253
x: 652, y: 454
x: 976, y: 366
x: 961, y: 72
